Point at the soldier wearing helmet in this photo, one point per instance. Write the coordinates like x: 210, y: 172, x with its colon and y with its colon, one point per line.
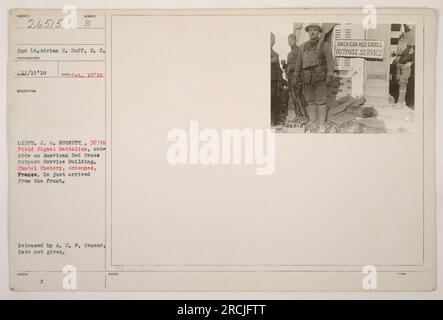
x: 314, y: 70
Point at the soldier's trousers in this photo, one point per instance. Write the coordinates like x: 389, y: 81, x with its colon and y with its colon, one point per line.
x: 276, y: 105
x: 403, y: 79
x: 316, y: 93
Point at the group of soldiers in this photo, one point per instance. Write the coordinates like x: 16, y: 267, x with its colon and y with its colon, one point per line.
x: 309, y: 72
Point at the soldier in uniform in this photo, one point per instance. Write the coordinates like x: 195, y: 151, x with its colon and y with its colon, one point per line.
x: 314, y: 70
x: 276, y: 86
x: 296, y: 98
x: 406, y: 54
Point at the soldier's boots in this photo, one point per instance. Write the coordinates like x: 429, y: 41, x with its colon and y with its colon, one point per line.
x: 401, y: 102
x: 312, y: 115
x: 322, y: 114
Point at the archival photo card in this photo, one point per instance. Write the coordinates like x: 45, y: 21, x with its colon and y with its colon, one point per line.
x: 159, y: 150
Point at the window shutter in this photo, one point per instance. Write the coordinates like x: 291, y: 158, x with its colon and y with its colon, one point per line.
x: 337, y: 35
x: 343, y: 32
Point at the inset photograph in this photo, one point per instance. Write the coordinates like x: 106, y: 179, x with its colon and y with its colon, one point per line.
x: 342, y: 78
